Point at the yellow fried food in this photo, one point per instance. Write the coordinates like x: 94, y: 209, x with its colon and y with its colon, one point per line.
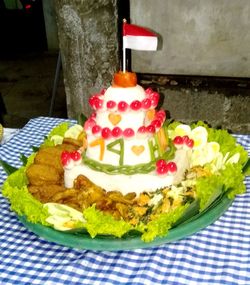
x: 40, y: 174
x: 52, y: 155
x: 45, y: 193
x: 49, y: 156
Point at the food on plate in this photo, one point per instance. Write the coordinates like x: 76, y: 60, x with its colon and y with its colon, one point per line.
x: 127, y: 168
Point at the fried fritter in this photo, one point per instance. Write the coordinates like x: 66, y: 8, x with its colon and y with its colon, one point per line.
x: 45, y: 193
x: 40, y: 174
x: 52, y: 155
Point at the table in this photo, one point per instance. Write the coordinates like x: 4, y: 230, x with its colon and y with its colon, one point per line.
x: 218, y: 254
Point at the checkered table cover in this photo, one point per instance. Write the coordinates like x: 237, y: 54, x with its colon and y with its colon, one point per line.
x: 218, y: 254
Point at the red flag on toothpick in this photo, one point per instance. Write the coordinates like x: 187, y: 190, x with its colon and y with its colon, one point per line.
x: 137, y: 38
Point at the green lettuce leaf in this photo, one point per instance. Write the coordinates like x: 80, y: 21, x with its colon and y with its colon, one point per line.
x: 230, y: 180
x: 160, y: 226
x: 232, y: 177
x: 58, y: 130
x: 172, y: 125
x: 208, y: 189
x: 22, y: 202
x: 104, y: 224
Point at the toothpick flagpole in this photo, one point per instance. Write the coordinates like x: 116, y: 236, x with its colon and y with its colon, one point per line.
x: 123, y: 49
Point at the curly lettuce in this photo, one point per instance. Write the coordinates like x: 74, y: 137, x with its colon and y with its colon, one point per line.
x: 160, y: 226
x: 22, y: 202
x: 104, y: 224
x: 59, y: 130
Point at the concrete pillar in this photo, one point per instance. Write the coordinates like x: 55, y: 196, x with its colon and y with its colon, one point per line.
x: 50, y: 25
x: 88, y: 42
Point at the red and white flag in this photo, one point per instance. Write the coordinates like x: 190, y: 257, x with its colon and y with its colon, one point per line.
x: 138, y: 38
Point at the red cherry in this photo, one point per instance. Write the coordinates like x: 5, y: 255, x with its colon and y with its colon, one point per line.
x: 150, y: 129
x: 161, y: 115
x: 116, y: 132
x: 111, y: 104
x: 149, y: 91
x: 142, y: 129
x: 65, y: 157
x: 156, y: 123
x: 98, y: 103
x: 122, y: 106
x: 128, y: 132
x: 92, y: 100
x: 106, y: 133
x: 96, y: 129
x: 89, y: 124
x: 172, y: 167
x: 102, y: 92
x: 154, y: 97
x: 178, y: 140
x: 160, y: 163
x: 93, y: 115
x: 146, y: 103
x: 135, y: 105
x: 162, y: 170
x: 185, y: 139
x: 75, y: 155
x: 190, y: 143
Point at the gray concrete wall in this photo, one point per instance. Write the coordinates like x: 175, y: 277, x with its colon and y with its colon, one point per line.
x: 221, y: 102
x: 199, y: 37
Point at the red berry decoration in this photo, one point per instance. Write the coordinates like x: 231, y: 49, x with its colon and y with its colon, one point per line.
x: 172, y: 167
x: 161, y: 162
x: 161, y: 115
x: 75, y: 155
x: 116, y: 132
x: 178, y: 140
x: 146, y: 103
x: 95, y: 102
x: 122, y: 106
x: 149, y: 91
x: 156, y: 123
x: 154, y: 98
x: 93, y: 115
x: 111, y: 104
x: 106, y: 133
x: 190, y: 143
x: 128, y: 132
x: 92, y: 100
x: 150, y: 129
x: 162, y: 170
x: 102, y: 92
x: 98, y: 103
x: 96, y: 129
x: 135, y: 105
x: 89, y: 124
x: 142, y: 130
x: 65, y: 157
x: 185, y: 139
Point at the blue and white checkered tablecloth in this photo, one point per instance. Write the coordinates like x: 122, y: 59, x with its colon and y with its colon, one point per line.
x: 218, y: 254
